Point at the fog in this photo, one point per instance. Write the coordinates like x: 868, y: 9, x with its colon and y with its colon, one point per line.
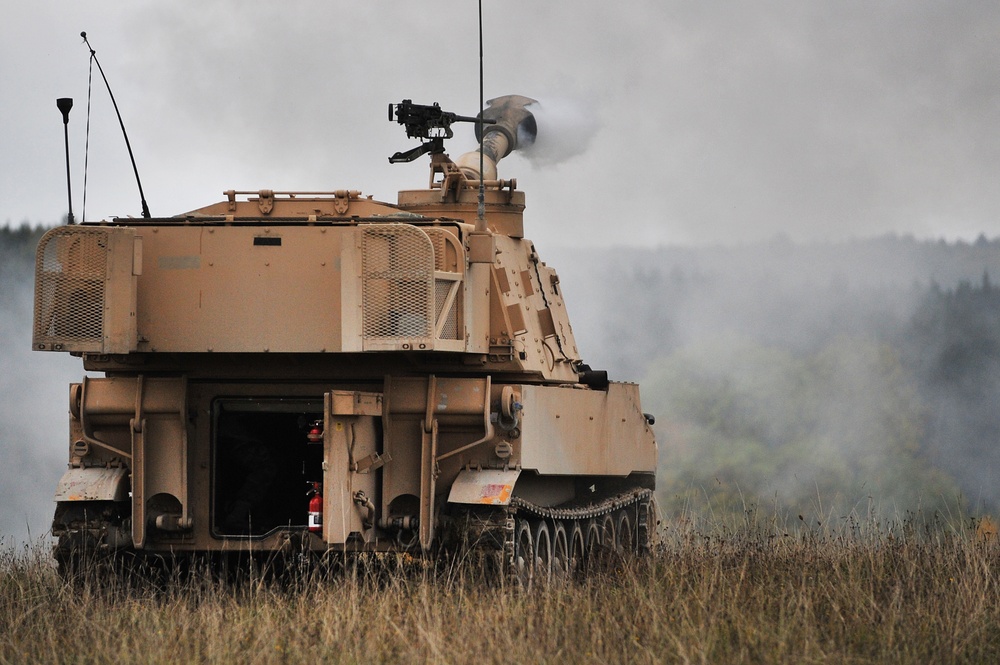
x: 825, y: 374
x: 33, y: 415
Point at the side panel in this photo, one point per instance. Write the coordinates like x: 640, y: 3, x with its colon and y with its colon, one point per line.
x: 528, y: 310
x: 240, y: 289
x: 306, y: 289
x: 588, y: 432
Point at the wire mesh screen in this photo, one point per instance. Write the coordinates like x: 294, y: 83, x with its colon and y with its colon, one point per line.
x: 398, y: 282
x: 70, y: 273
x: 449, y: 329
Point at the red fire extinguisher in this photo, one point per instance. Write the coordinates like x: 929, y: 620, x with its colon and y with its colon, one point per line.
x: 315, y: 433
x: 316, y: 508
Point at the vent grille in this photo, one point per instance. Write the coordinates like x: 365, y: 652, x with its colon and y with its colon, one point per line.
x: 71, y: 269
x: 398, y: 283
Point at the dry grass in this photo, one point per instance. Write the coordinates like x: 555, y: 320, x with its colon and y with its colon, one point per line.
x: 747, y: 593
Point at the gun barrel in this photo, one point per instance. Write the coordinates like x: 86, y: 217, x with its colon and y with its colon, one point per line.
x: 513, y: 127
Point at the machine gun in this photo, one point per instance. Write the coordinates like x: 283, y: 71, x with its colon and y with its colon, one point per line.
x: 430, y: 124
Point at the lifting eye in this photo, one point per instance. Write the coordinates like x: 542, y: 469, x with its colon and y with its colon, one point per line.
x: 510, y: 410
x: 509, y: 406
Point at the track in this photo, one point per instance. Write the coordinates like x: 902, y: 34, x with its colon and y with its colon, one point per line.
x: 536, y: 544
x: 525, y: 543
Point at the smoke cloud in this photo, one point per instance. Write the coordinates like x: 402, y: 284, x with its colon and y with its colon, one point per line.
x: 825, y: 375
x: 566, y: 129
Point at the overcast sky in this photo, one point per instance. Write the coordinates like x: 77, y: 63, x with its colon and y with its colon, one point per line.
x: 688, y: 122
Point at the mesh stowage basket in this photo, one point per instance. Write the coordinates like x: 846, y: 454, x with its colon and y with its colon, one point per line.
x: 70, y: 275
x: 398, y: 282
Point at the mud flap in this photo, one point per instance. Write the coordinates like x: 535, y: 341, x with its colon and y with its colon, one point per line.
x: 487, y: 486
x: 93, y: 484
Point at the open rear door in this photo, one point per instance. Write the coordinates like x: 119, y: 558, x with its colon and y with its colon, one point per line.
x: 352, y: 440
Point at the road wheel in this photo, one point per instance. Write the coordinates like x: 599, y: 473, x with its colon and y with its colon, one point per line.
x: 592, y: 549
x: 543, y: 552
x: 577, y: 548
x: 624, y: 537
x: 561, y: 568
x: 524, y: 553
x: 647, y: 527
x: 609, y: 535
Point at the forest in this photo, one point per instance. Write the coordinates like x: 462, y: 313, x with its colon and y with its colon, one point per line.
x: 825, y: 381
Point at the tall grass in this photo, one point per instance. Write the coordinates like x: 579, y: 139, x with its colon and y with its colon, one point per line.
x: 754, y: 591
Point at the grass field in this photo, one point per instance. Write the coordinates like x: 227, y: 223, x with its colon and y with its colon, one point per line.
x: 754, y: 592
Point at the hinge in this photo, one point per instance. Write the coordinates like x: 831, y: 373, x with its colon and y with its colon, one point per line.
x: 370, y: 463
x: 266, y: 201
x: 341, y: 201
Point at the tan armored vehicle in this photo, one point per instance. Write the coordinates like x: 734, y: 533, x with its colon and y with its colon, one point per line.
x: 318, y: 372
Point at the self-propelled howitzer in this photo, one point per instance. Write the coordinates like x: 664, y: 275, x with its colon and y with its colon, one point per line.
x: 412, y: 365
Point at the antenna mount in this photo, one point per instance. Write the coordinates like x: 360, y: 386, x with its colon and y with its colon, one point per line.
x: 64, y: 104
x: 93, y: 59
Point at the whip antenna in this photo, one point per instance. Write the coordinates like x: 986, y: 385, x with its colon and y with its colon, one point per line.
x: 481, y: 208
x: 64, y: 104
x: 93, y: 58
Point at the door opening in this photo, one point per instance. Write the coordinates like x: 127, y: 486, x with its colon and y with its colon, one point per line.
x: 263, y: 463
